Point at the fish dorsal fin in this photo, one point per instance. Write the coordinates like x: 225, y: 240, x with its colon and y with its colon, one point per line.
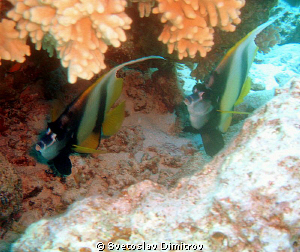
x: 248, y: 39
x: 113, y: 120
x: 245, y: 90
x: 117, y: 68
x: 98, y: 99
x: 81, y: 149
x: 114, y: 92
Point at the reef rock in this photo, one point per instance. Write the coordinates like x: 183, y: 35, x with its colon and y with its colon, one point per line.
x: 246, y: 199
x: 10, y: 194
x: 275, y: 68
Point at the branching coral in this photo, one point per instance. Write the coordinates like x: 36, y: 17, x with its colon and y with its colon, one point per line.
x: 79, y: 30
x: 144, y: 6
x: 189, y: 23
x: 11, y: 46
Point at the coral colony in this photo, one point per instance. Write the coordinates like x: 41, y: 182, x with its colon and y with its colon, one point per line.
x: 81, y: 31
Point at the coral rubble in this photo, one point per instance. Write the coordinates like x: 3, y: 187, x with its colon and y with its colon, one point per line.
x: 246, y: 199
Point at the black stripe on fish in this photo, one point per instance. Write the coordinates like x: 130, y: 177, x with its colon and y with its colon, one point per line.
x: 102, y: 106
x: 244, y: 68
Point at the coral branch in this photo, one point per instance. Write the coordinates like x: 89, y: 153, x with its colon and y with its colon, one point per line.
x: 189, y: 23
x: 80, y: 31
x: 11, y: 46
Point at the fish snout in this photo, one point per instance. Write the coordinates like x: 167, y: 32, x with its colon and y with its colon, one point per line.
x: 195, y: 97
x: 188, y: 101
x: 40, y: 146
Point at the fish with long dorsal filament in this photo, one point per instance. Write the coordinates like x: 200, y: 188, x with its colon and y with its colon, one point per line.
x: 211, y: 105
x: 80, y: 126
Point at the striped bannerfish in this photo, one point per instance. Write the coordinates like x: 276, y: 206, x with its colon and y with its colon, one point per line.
x: 80, y: 126
x: 211, y: 106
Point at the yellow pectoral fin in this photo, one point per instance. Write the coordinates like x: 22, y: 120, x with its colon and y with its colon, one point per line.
x: 245, y: 90
x: 234, y: 112
x: 113, y: 120
x: 81, y: 149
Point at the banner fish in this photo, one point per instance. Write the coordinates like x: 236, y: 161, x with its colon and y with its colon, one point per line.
x: 80, y: 126
x: 211, y: 105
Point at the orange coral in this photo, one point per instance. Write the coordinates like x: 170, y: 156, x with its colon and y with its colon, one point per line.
x: 80, y: 31
x: 144, y: 6
x: 189, y: 23
x: 11, y: 46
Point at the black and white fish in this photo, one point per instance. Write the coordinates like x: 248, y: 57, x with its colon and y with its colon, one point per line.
x: 211, y: 106
x: 80, y: 126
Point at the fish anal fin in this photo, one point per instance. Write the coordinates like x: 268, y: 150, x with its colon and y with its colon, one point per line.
x: 81, y: 149
x: 91, y: 142
x: 245, y: 90
x: 212, y: 141
x: 62, y: 163
x: 113, y: 120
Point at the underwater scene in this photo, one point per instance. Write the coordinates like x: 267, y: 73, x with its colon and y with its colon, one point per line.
x: 149, y: 125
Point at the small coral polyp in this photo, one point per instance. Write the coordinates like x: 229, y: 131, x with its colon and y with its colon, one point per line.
x: 81, y: 31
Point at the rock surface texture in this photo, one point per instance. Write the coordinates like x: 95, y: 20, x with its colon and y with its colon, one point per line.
x: 246, y: 199
x: 10, y: 193
x: 276, y: 68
